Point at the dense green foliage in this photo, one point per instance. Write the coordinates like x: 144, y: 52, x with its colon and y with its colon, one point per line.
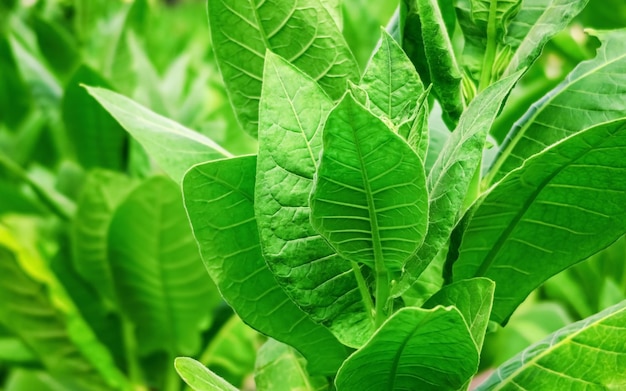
x: 292, y: 197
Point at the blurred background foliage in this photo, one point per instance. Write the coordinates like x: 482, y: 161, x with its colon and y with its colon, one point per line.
x: 68, y: 171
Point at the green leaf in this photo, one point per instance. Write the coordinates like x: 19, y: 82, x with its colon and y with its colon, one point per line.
x: 98, y: 139
x: 303, y: 32
x: 416, y: 349
x: 443, y: 68
x: 159, y: 277
x: 293, y: 109
x: 199, y: 378
x: 451, y: 175
x: 370, y: 199
x: 594, y: 92
x: 587, y: 354
x: 173, y: 146
x: 392, y: 84
x: 219, y: 200
x: 560, y: 207
x: 232, y: 351
x: 102, y: 192
x: 57, y: 45
x: 35, y: 307
x: 535, y: 24
x: 280, y: 368
x: 473, y: 298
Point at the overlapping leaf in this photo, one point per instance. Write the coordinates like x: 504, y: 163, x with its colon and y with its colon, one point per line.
x: 34, y: 306
x: 159, y: 276
x: 370, y: 199
x: 444, y: 70
x: 394, y: 89
x: 589, y: 354
x: 451, y: 175
x: 102, y: 192
x: 473, y: 298
x: 560, y: 207
x: 219, y: 199
x: 594, y: 92
x: 280, y: 368
x: 293, y: 109
x: 302, y: 31
x: 173, y: 146
x: 416, y: 349
x: 535, y: 24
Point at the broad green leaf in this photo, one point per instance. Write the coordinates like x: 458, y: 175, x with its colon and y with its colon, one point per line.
x: 485, y: 24
x: 594, y: 92
x: 334, y: 10
x: 451, y: 175
x: 392, y: 84
x: 97, y: 138
x: 14, y: 95
x: 219, y: 200
x: 560, y: 207
x: 13, y: 351
x: 102, y: 192
x: 279, y: 367
x: 35, y: 307
x: 232, y: 351
x: 444, y: 70
x: 535, y: 24
x: 416, y: 349
x: 301, y: 31
x: 370, y: 200
x: 589, y: 354
x: 473, y: 298
x: 199, y: 377
x: 159, y: 277
x: 173, y: 146
x: 293, y: 109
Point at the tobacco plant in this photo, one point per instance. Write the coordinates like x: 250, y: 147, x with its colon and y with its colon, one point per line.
x: 393, y: 217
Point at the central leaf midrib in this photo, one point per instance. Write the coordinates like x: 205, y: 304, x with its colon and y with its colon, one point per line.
x: 257, y: 19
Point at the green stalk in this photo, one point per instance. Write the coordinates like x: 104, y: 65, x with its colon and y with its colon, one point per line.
x: 172, y: 381
x: 130, y: 349
x: 365, y: 292
x: 382, y: 295
x: 490, y: 52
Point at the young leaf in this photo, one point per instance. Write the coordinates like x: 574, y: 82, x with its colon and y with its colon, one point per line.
x: 35, y: 307
x: 535, y: 24
x: 392, y: 84
x: 293, y: 109
x: 370, y: 200
x: 592, y: 93
x: 588, y: 353
x: 444, y: 70
x: 416, y: 349
x: 302, y: 31
x: 199, y: 377
x: 102, y: 192
x: 473, y: 298
x: 219, y: 200
x: 560, y: 207
x: 98, y: 139
x: 280, y: 368
x: 173, y: 146
x: 150, y: 241
x: 450, y: 177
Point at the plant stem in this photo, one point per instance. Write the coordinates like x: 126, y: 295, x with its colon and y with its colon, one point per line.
x: 130, y: 349
x: 490, y: 51
x: 172, y: 381
x: 382, y: 295
x: 365, y: 292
